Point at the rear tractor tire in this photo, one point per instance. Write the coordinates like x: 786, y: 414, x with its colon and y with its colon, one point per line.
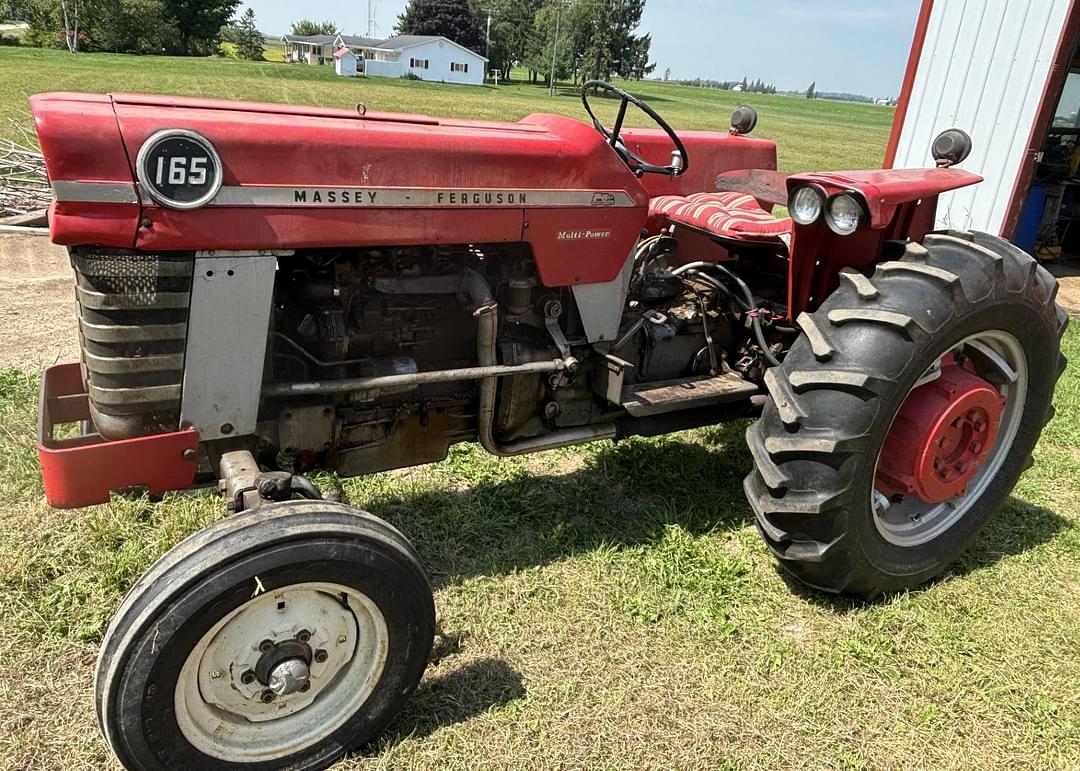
x: 277, y: 638
x: 904, y: 414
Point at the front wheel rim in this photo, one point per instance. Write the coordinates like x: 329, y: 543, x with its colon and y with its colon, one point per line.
x: 226, y: 713
x: 912, y: 522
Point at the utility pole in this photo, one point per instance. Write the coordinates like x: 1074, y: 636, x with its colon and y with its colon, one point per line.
x: 487, y: 39
x: 555, y: 47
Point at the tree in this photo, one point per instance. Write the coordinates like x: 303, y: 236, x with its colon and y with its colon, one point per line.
x: 453, y: 19
x: 132, y: 26
x: 198, y: 24
x: 667, y: 74
x: 249, y: 41
x: 512, y: 30
x: 811, y: 93
x: 309, y: 28
x: 629, y: 51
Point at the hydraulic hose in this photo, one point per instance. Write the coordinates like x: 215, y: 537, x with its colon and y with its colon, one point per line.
x: 755, y: 320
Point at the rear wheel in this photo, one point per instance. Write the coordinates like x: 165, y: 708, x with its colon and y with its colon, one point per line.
x: 277, y: 638
x: 903, y: 416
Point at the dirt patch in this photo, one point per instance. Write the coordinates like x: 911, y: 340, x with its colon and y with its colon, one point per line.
x: 1068, y: 287
x: 38, y: 323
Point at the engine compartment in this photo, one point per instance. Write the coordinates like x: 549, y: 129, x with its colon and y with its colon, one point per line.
x: 349, y: 316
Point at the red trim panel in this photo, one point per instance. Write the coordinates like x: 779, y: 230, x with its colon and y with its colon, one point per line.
x: 83, y: 470
x: 909, y: 82
x: 81, y: 141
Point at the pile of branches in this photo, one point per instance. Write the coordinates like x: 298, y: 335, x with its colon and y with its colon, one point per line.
x: 24, y: 185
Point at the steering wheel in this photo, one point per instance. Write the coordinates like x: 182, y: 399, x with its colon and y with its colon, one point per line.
x: 637, y: 164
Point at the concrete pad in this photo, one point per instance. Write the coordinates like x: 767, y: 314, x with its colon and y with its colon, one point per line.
x: 1068, y: 277
x: 38, y: 321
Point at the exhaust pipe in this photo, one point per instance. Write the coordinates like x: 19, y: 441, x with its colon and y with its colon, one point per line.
x: 477, y: 291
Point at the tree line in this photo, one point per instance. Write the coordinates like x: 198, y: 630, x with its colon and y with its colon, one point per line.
x: 756, y: 86
x: 173, y: 27
x: 570, y: 39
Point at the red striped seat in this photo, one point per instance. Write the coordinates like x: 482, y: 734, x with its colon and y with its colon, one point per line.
x: 735, y: 216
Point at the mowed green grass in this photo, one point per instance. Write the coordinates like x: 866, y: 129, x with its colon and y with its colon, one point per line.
x: 812, y: 134
x: 609, y: 606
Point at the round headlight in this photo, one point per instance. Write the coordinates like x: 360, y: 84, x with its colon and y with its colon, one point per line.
x: 844, y: 214
x: 805, y: 205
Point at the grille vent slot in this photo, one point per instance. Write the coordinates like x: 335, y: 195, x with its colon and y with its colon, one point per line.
x: 133, y: 313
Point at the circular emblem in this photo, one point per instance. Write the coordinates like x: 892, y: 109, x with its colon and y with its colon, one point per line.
x: 179, y: 169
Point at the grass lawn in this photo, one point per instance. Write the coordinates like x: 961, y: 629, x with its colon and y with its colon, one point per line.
x: 814, y: 134
x: 602, y: 607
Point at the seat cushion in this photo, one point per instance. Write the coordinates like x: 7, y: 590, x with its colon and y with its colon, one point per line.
x: 735, y: 216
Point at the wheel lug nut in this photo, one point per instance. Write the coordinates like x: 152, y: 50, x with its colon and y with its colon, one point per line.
x: 266, y: 645
x: 217, y: 674
x: 321, y: 655
x: 247, y: 678
x: 267, y: 696
x: 303, y: 635
x: 305, y: 687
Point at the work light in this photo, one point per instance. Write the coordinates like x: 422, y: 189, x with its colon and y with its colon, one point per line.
x: 805, y: 205
x: 844, y: 214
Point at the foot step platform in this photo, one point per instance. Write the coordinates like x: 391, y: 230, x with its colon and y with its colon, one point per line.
x: 645, y: 399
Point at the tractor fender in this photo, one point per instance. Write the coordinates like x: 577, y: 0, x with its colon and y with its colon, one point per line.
x: 885, y: 190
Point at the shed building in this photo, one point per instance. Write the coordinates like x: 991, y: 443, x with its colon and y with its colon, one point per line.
x: 1008, y: 73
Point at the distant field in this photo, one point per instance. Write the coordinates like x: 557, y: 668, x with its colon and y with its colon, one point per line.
x: 812, y: 134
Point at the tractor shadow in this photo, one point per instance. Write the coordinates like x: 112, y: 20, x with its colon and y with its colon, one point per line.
x: 615, y: 495
x: 624, y: 495
x: 1015, y: 528
x: 445, y: 698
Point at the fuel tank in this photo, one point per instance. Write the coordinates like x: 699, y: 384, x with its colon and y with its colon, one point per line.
x: 292, y: 177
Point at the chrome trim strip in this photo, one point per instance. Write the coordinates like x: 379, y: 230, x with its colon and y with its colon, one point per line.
x: 94, y: 192
x: 325, y: 196
x: 331, y: 197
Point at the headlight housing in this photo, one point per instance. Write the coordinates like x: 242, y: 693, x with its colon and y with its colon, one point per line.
x: 844, y: 213
x: 805, y: 205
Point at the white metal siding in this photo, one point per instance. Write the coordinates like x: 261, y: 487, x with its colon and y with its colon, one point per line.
x: 983, y: 68
x: 380, y: 69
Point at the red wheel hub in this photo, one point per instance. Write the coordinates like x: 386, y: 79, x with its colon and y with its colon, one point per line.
x: 944, y: 431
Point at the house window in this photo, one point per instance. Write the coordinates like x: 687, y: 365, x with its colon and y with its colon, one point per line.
x: 418, y: 64
x: 458, y: 67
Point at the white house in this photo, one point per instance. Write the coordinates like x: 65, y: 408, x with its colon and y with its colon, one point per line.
x: 429, y: 57
x: 345, y: 62
x: 310, y: 49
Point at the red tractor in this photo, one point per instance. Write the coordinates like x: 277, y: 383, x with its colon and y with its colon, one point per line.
x: 266, y: 290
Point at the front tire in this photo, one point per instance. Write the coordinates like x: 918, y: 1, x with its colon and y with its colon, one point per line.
x: 277, y: 638
x: 834, y: 399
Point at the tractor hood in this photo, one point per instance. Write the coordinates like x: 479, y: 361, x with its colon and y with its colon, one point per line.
x: 287, y: 177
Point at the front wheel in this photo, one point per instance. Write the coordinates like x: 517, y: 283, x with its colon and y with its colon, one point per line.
x: 277, y: 638
x: 904, y: 414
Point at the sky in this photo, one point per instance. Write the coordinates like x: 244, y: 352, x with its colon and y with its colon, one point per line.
x: 859, y: 46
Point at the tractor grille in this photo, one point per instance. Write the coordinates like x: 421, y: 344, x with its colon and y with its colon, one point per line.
x: 133, y: 313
